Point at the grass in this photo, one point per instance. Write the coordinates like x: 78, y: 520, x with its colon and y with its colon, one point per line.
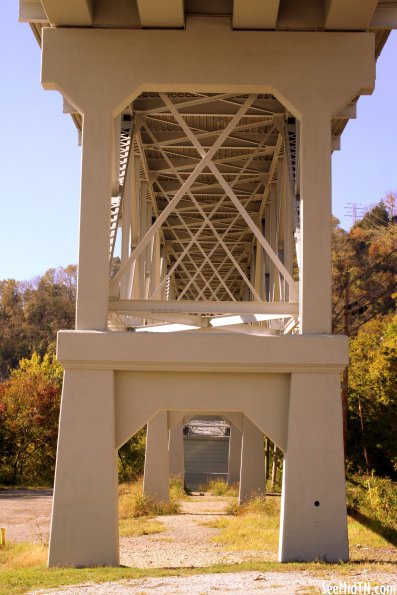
x: 134, y: 504
x: 14, y: 556
x: 253, y: 526
x: 23, y: 568
x: 140, y: 526
x: 373, y: 502
x: 18, y: 580
x: 219, y: 487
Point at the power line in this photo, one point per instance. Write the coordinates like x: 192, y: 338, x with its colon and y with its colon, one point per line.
x: 354, y: 210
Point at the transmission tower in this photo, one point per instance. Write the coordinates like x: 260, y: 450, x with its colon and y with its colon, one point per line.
x: 354, y: 210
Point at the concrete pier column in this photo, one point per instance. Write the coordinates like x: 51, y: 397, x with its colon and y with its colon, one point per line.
x: 176, y: 451
x: 156, y: 474
x: 252, y: 473
x: 96, y: 190
x: 84, y: 528
x: 233, y: 471
x: 316, y: 278
x: 313, y: 511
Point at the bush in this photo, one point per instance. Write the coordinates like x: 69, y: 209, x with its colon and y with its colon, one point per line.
x: 29, y: 412
x: 373, y: 497
x: 133, y: 503
x: 132, y: 457
x: 268, y: 506
x: 219, y: 487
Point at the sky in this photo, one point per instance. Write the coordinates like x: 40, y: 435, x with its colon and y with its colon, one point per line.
x: 40, y: 159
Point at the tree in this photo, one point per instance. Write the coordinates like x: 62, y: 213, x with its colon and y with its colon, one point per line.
x: 31, y: 313
x: 14, y: 343
x: 390, y: 202
x: 29, y: 411
x: 365, y: 267
x: 373, y: 397
x: 49, y: 308
x: 132, y: 457
x: 376, y: 216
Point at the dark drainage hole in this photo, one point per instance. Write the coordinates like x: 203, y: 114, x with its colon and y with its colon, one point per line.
x: 317, y: 503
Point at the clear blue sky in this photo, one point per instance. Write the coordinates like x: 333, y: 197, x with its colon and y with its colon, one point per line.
x: 40, y: 159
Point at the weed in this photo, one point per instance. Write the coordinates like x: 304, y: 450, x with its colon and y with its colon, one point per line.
x: 374, y: 497
x: 219, y: 487
x: 22, y: 555
x: 177, y: 490
x: 133, y: 503
x: 139, y: 526
x: 266, y: 505
x: 253, y: 526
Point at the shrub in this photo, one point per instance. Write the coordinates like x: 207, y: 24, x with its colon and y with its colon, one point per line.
x: 133, y: 503
x: 219, y: 487
x: 374, y: 497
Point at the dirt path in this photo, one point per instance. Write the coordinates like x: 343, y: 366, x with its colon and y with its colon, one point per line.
x: 238, y: 583
x: 26, y: 514
x: 186, y: 541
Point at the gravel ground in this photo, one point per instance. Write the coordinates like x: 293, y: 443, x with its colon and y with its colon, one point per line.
x: 26, y: 514
x: 239, y: 583
x: 185, y: 543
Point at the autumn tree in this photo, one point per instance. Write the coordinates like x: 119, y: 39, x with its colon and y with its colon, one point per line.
x: 373, y: 397
x: 29, y: 411
x: 31, y: 313
x: 364, y: 271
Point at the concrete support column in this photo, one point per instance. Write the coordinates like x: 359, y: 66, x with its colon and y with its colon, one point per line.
x: 156, y: 474
x: 233, y: 471
x: 176, y: 451
x: 315, y: 283
x: 96, y: 183
x: 84, y: 528
x: 313, y: 510
x: 252, y: 474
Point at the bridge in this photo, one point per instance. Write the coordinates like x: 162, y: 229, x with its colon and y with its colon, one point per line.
x: 204, y: 283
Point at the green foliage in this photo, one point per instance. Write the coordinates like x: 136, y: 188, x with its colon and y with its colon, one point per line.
x: 373, y: 397
x: 139, y: 526
x: 267, y: 505
x: 177, y: 490
x: 132, y: 457
x: 133, y: 503
x: 31, y: 313
x: 374, y: 497
x: 376, y: 216
x: 14, y: 333
x: 29, y: 411
x: 219, y: 487
x: 253, y: 526
x: 364, y: 263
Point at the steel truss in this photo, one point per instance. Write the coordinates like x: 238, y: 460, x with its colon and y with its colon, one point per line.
x: 207, y: 207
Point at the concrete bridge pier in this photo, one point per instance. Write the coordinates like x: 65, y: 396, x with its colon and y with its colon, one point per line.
x: 252, y: 470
